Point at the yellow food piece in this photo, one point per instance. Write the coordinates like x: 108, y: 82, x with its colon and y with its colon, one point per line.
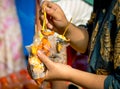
x: 34, y: 60
x: 34, y: 50
x: 59, y: 47
x: 63, y: 38
x: 47, y: 33
x: 38, y: 67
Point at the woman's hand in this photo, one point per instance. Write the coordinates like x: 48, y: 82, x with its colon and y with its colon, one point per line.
x: 56, y: 19
x: 55, y: 71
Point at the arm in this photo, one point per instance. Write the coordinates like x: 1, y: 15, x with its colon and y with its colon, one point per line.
x: 78, y: 38
x: 57, y: 21
x: 57, y: 71
x: 87, y: 80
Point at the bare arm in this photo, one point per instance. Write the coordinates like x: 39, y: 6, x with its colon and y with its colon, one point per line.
x: 57, y: 21
x: 87, y: 80
x: 79, y: 41
x: 57, y: 71
x: 78, y: 38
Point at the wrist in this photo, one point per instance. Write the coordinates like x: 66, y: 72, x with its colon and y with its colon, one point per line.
x: 68, y: 32
x: 69, y: 74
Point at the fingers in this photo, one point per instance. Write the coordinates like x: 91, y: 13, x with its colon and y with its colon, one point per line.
x: 56, y: 19
x: 45, y: 59
x: 50, y: 8
x: 49, y: 25
x: 45, y: 6
x: 52, y: 12
x: 48, y: 4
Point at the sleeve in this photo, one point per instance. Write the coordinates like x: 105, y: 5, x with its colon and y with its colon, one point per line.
x: 90, y: 23
x: 113, y: 80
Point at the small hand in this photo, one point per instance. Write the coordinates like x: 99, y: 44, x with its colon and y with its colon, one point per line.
x: 56, y: 19
x: 55, y: 71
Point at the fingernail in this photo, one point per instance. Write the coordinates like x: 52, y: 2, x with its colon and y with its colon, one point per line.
x: 39, y: 52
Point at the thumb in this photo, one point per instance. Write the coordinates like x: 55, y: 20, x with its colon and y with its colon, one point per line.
x: 45, y: 59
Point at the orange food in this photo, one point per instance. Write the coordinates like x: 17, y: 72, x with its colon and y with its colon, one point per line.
x: 47, y: 33
x: 37, y: 68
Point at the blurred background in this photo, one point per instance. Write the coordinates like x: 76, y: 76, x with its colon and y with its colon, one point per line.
x: 17, y: 28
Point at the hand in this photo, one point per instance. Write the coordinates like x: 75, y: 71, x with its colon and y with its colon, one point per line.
x: 56, y: 19
x: 55, y: 71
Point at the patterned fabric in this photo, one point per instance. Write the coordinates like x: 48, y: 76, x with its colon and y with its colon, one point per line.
x: 105, y: 43
x: 11, y: 57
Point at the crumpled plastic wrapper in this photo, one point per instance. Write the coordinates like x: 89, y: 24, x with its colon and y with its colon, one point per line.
x: 36, y: 68
x: 47, y: 45
x: 59, y: 57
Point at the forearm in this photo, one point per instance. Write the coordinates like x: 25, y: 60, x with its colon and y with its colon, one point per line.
x: 59, y: 85
x: 78, y: 38
x: 87, y: 80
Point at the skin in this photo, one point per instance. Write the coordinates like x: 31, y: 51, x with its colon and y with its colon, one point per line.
x: 58, y: 71
x: 78, y: 40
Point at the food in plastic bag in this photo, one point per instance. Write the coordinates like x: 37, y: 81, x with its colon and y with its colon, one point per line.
x: 36, y: 67
x: 45, y: 41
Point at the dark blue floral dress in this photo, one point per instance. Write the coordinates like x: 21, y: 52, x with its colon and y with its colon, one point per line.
x: 104, y: 31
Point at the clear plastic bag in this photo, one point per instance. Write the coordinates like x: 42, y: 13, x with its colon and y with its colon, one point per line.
x: 36, y: 67
x: 45, y: 41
